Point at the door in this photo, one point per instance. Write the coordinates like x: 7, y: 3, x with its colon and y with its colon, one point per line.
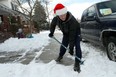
x: 92, y: 26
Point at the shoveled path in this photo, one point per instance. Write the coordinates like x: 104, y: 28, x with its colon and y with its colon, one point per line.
x: 51, y: 52
x: 48, y: 54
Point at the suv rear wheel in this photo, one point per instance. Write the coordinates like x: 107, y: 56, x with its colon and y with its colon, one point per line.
x: 111, y: 48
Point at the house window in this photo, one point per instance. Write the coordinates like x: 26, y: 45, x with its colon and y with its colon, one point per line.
x: 0, y: 19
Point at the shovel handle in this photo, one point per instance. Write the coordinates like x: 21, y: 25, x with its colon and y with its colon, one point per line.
x: 81, y: 62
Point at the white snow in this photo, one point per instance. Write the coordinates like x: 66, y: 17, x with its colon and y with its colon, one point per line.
x: 15, y: 44
x: 96, y: 62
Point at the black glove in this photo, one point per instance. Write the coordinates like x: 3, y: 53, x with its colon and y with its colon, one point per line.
x: 50, y: 35
x: 71, y: 52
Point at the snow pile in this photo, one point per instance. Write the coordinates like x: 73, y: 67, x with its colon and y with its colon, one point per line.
x: 15, y: 44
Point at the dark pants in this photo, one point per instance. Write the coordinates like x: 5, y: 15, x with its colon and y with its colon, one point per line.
x: 65, y: 42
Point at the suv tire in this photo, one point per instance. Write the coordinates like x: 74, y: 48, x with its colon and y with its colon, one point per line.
x: 111, y: 48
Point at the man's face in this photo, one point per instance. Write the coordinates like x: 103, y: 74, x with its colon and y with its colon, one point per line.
x: 63, y: 17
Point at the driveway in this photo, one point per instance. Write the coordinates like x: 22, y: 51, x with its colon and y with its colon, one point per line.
x: 49, y: 53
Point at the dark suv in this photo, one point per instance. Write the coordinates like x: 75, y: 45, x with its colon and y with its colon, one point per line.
x: 98, y: 25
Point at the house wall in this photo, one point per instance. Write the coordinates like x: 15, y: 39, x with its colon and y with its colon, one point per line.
x: 9, y: 23
x: 6, y: 3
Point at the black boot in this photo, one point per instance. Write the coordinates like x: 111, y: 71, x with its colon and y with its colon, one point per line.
x: 71, y: 52
x: 77, y: 67
x: 59, y: 59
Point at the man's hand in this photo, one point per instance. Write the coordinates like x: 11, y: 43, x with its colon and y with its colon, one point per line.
x: 50, y: 35
x: 71, y: 52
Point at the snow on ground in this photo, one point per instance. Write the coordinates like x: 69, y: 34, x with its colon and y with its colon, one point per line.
x: 96, y: 64
x: 15, y: 44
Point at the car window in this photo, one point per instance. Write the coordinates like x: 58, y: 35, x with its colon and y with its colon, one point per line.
x: 91, y: 11
x: 107, y: 8
x: 88, y: 13
x: 84, y: 15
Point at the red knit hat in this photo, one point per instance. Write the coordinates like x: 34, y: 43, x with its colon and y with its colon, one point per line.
x: 60, y: 9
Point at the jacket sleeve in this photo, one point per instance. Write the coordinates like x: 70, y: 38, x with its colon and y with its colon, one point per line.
x: 53, y: 25
x: 74, y: 31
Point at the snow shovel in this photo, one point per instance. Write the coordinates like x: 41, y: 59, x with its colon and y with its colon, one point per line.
x: 81, y: 62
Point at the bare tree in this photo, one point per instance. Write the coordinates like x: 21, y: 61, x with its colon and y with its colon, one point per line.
x: 46, y: 2
x: 27, y: 7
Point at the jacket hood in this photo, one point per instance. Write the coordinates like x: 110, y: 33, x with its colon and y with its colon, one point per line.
x: 67, y: 19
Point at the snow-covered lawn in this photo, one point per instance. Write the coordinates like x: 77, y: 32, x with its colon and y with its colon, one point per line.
x: 96, y: 64
x: 15, y: 44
